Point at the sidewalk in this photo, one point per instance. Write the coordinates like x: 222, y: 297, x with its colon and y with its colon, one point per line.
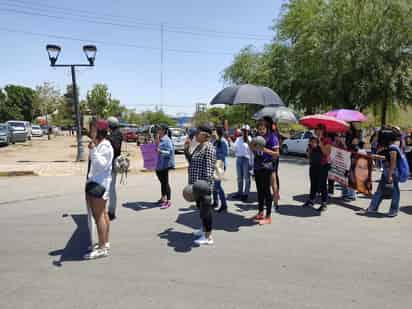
x: 56, y: 157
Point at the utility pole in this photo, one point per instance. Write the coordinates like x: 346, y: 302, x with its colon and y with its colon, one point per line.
x: 161, y: 63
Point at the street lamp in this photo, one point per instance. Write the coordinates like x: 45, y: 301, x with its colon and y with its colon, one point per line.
x: 90, y: 52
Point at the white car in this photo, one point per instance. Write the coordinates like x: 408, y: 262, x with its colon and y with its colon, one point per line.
x: 297, y: 144
x: 36, y: 131
x: 178, y: 138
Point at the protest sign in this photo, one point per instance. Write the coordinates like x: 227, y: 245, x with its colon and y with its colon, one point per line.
x: 150, y: 156
x: 352, y: 170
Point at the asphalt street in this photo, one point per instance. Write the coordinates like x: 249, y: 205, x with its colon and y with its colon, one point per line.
x: 339, y: 259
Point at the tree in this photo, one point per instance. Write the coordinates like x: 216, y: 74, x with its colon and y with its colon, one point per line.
x: 157, y: 117
x: 47, y: 99
x: 17, y: 103
x: 65, y: 109
x: 98, y: 99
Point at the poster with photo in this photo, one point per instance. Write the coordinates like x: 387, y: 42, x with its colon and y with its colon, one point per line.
x: 352, y: 170
x: 150, y: 156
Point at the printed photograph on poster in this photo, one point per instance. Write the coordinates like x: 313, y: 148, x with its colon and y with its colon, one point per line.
x: 340, y: 166
x: 360, y: 175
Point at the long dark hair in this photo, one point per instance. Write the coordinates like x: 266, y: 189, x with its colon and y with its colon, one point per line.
x: 220, y: 132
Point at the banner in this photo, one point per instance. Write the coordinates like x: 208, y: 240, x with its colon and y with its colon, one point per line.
x: 150, y: 156
x: 352, y: 170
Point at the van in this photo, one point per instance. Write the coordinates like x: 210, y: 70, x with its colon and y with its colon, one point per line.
x: 19, y: 130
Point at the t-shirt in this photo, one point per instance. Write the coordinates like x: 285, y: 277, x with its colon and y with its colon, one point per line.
x: 264, y: 160
x: 325, y: 159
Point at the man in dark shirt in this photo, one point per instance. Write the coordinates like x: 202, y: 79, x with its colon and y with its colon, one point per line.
x: 115, y: 139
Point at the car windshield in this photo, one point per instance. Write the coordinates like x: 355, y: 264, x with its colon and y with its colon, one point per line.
x: 36, y: 127
x: 177, y: 133
x: 17, y: 124
x: 3, y: 128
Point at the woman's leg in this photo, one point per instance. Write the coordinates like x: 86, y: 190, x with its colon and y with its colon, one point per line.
x: 260, y: 190
x: 239, y: 172
x: 98, y: 206
x: 168, y: 191
x: 246, y: 176
x: 314, y: 183
x: 159, y: 176
x: 266, y: 181
x: 206, y: 215
x: 378, y: 196
x: 396, y: 196
x: 323, y: 183
x: 90, y: 219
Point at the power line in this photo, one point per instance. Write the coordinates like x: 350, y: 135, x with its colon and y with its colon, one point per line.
x: 69, y: 38
x: 84, y: 16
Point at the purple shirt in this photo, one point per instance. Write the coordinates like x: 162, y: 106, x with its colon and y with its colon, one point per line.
x: 264, y: 160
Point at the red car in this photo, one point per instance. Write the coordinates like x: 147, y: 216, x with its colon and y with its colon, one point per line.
x: 130, y: 135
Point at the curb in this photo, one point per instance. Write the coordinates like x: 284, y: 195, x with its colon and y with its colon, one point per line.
x: 17, y: 173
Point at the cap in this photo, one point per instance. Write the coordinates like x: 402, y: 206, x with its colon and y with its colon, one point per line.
x: 205, y: 128
x: 245, y: 127
x: 113, y: 122
x: 102, y: 124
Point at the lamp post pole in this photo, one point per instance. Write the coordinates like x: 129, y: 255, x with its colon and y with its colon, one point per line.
x: 90, y: 51
x: 80, y: 149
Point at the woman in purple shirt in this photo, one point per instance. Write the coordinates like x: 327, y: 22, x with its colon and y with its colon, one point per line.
x: 263, y: 169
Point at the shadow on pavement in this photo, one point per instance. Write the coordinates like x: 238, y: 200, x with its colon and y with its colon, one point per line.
x: 376, y: 215
x: 137, y: 206
x: 406, y: 209
x: 340, y: 202
x: 252, y: 197
x: 181, y: 242
x: 297, y: 211
x: 78, y: 244
x: 229, y: 222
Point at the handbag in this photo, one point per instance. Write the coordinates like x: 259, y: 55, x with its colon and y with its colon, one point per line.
x: 387, y: 191
x: 95, y: 190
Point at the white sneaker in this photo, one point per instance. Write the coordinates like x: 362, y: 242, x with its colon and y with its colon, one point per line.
x: 96, y: 246
x: 198, y: 233
x: 204, y: 241
x: 96, y: 254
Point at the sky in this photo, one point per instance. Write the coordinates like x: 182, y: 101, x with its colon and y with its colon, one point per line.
x: 200, y: 39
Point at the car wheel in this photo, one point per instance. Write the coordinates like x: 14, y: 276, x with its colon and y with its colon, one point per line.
x: 285, y: 149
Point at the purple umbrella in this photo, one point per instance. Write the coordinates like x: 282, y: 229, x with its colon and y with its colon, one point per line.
x: 347, y: 115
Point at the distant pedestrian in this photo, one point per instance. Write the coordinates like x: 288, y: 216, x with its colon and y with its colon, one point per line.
x: 319, y: 151
x: 263, y: 170
x: 243, y: 164
x: 222, y: 152
x: 115, y: 139
x: 201, y: 167
x: 98, y: 187
x: 165, y: 162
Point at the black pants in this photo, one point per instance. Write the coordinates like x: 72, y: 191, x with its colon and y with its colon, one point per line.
x: 163, y: 176
x: 319, y: 182
x: 263, y: 181
x: 206, y: 213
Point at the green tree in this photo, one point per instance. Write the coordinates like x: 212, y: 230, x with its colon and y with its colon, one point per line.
x: 47, y: 99
x: 17, y: 103
x: 98, y: 99
x: 157, y: 117
x: 65, y: 109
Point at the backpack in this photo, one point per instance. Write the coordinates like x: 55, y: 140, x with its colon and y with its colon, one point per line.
x: 401, y: 164
x: 121, y: 166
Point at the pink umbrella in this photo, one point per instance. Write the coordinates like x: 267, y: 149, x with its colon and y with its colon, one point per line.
x: 331, y: 124
x: 347, y: 115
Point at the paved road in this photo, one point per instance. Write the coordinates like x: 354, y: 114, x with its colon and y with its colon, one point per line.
x: 302, y: 260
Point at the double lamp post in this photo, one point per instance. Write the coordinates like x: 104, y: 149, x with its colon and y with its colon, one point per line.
x: 90, y: 52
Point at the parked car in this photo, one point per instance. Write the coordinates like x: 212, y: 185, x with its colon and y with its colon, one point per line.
x: 19, y: 130
x: 297, y: 144
x: 179, y: 137
x: 5, y: 134
x: 130, y: 135
x: 36, y: 131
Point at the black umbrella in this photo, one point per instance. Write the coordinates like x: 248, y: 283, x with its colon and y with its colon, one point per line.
x: 247, y: 94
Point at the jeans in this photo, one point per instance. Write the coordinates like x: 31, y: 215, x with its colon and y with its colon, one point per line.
x: 243, y: 175
x: 218, y: 192
x: 263, y: 180
x: 348, y: 193
x: 113, y: 194
x: 378, y: 196
x: 163, y: 176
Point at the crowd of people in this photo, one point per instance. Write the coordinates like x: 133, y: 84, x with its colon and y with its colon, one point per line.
x: 257, y: 157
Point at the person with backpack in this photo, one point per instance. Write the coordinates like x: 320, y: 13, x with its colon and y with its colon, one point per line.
x: 395, y: 170
x: 165, y: 162
x: 115, y: 138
